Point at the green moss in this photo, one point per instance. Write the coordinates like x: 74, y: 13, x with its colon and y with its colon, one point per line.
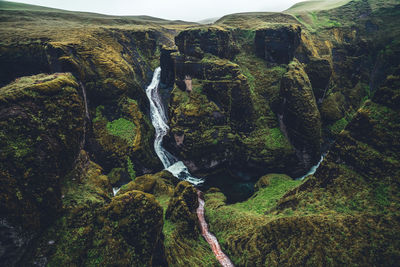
x: 275, y: 139
x: 20, y: 147
x: 382, y: 195
x: 122, y: 128
x: 338, y: 126
x: 265, y: 198
x: 130, y: 168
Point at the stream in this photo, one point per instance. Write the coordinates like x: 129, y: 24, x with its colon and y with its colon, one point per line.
x: 176, y: 167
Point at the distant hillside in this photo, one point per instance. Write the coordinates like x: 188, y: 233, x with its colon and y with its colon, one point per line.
x: 20, y: 8
x: 316, y: 5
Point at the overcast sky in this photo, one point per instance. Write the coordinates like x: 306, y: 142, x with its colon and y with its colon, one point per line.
x: 169, y: 9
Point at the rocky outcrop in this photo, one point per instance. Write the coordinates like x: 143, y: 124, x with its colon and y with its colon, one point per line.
x: 122, y: 137
x: 214, y: 40
x: 96, y: 229
x: 207, y: 119
x: 319, y: 72
x: 277, y: 44
x: 182, y: 209
x: 161, y: 183
x: 301, y: 117
x: 42, y: 127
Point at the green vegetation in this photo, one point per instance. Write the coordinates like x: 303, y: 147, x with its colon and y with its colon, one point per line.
x: 338, y: 126
x: 122, y: 128
x: 266, y: 198
x: 275, y: 139
x: 129, y: 167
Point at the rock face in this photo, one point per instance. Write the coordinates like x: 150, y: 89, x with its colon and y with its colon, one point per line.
x: 42, y: 126
x: 161, y: 183
x: 213, y: 40
x: 301, y: 117
x: 319, y: 72
x: 352, y: 200
x: 96, y: 229
x: 207, y: 118
x: 182, y: 209
x: 277, y: 45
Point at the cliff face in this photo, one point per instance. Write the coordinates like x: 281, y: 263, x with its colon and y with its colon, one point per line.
x: 352, y: 200
x: 42, y: 120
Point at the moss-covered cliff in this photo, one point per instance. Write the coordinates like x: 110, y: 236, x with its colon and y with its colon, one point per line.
x: 346, y: 214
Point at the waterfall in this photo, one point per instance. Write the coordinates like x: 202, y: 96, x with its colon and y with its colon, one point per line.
x: 85, y: 101
x: 313, y: 169
x: 160, y: 123
x: 87, y: 117
x: 177, y: 168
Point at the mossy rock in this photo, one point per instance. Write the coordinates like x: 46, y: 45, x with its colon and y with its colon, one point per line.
x: 265, y: 181
x: 162, y: 183
x: 277, y: 44
x: 332, y: 108
x: 182, y: 209
x: 214, y: 40
x: 42, y: 127
x: 98, y: 229
x: 301, y: 116
x: 319, y: 72
x: 123, y: 135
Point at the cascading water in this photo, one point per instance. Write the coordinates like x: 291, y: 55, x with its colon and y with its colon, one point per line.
x: 313, y: 169
x: 159, y: 121
x: 177, y: 168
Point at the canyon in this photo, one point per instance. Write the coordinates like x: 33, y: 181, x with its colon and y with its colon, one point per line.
x: 136, y: 141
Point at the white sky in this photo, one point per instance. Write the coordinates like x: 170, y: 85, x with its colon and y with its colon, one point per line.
x: 190, y: 10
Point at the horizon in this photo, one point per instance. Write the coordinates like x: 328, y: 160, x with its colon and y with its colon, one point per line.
x: 172, y: 10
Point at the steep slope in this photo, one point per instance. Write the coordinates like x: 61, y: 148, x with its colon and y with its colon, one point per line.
x: 346, y: 214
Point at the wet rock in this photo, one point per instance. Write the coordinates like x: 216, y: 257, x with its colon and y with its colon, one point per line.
x: 301, y: 116
x: 277, y: 44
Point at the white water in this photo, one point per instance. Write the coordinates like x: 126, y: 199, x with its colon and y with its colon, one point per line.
x: 177, y: 168
x: 115, y: 190
x: 159, y: 121
x: 312, y: 170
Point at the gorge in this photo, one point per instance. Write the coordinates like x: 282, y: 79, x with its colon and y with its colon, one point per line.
x: 288, y: 123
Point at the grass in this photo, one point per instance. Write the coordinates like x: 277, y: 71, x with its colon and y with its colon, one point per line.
x: 276, y: 139
x: 338, y: 126
x: 122, y: 128
x: 130, y: 169
x: 266, y: 198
